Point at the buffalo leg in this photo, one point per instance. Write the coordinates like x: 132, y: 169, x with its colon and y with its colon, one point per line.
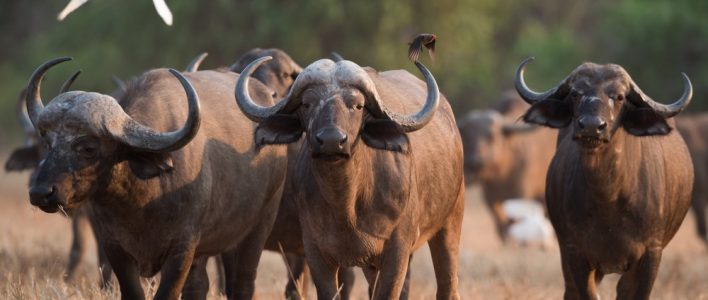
x: 580, y: 273
x: 407, y: 283
x: 79, y: 230
x: 104, y: 266
x: 324, y: 272
x: 345, y: 277
x: 394, y: 264
x: 197, y: 285
x: 499, y: 217
x: 175, y: 271
x: 638, y: 281
x: 126, y: 271
x: 247, y: 256
x: 698, y: 203
x: 297, y: 283
x: 444, y: 249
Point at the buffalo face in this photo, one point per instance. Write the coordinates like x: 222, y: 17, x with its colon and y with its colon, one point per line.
x: 278, y: 74
x: 594, y: 101
x: 87, y: 135
x: 337, y: 105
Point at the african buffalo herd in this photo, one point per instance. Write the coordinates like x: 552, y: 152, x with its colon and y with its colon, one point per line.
x: 336, y: 166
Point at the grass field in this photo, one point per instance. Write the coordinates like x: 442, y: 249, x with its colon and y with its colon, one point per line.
x: 34, y: 247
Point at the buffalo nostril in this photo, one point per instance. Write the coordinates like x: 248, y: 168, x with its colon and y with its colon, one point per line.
x: 580, y: 123
x: 344, y: 140
x: 318, y: 137
x: 40, y: 193
x: 602, y: 126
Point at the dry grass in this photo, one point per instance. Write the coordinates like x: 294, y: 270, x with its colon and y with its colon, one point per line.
x: 34, y: 247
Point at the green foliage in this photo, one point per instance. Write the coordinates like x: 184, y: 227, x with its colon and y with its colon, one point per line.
x: 480, y: 41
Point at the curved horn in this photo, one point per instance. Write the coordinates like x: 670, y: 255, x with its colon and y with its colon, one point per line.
x: 119, y: 83
x: 33, y: 99
x: 144, y: 138
x: 336, y: 57
x: 252, y: 110
x: 526, y: 93
x: 24, y: 119
x: 668, y: 110
x: 193, y: 66
x: 67, y: 84
x: 417, y: 120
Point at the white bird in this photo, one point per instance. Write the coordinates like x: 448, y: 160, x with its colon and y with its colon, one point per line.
x: 530, y: 226
x: 160, y: 6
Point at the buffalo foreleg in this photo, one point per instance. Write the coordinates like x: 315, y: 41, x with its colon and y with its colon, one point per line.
x: 197, y: 284
x: 638, y: 281
x: 578, y: 274
x: 175, y: 271
x: 126, y: 270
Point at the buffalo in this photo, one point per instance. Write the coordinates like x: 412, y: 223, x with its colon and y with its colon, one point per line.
x: 278, y: 74
x: 619, y: 184
x: 165, y: 196
x: 509, y: 159
x: 375, y: 177
x: 693, y: 130
x: 28, y: 157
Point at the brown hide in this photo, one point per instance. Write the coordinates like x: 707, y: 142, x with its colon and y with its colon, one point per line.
x: 694, y: 129
x: 619, y: 184
x: 167, y: 211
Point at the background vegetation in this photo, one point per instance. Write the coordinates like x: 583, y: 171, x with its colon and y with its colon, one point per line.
x: 480, y: 41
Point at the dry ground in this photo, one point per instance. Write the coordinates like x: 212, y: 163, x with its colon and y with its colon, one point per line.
x: 34, y: 247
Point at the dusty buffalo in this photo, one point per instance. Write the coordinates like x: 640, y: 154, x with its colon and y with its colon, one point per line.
x: 376, y: 177
x: 619, y: 185
x: 164, y: 200
x: 27, y: 158
x: 509, y: 159
x: 694, y: 129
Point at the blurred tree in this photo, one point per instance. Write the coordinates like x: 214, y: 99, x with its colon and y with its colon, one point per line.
x: 480, y: 42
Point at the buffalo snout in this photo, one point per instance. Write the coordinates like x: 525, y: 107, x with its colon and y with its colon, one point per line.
x: 44, y: 197
x: 331, y: 141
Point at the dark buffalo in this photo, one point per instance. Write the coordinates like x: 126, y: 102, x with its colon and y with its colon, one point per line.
x: 27, y: 158
x: 507, y: 158
x: 694, y: 129
x: 163, y: 201
x: 278, y: 74
x: 619, y: 185
x: 376, y: 177
x: 286, y: 235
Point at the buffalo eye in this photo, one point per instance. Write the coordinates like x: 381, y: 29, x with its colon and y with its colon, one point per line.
x: 285, y: 75
x: 87, y: 148
x: 359, y: 106
x: 620, y: 97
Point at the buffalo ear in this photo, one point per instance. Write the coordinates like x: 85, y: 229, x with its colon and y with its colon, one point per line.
x: 23, y: 158
x: 278, y: 129
x: 146, y: 165
x: 644, y: 122
x: 551, y: 113
x: 385, y: 135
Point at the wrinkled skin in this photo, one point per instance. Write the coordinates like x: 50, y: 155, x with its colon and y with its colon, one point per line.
x: 619, y: 185
x: 277, y: 74
x: 28, y: 158
x: 164, y: 211
x: 693, y: 128
x: 507, y: 158
x: 368, y: 193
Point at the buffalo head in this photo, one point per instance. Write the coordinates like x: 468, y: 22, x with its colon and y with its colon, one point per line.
x: 337, y: 105
x: 595, y: 100
x: 485, y: 136
x: 277, y: 74
x: 87, y: 133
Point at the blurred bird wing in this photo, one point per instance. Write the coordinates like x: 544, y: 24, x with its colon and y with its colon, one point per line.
x: 163, y: 11
x: 72, y: 6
